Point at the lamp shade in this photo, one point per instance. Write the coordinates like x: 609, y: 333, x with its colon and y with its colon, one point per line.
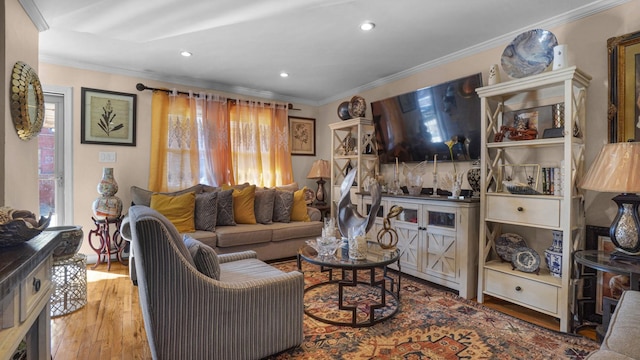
x: 319, y: 169
x: 616, y: 169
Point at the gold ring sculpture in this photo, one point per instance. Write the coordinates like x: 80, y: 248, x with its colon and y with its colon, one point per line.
x: 392, y: 240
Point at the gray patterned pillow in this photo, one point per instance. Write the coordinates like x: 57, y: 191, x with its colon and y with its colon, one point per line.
x: 263, y: 206
x: 225, y: 208
x: 206, y: 211
x: 282, y: 206
x: 205, y: 258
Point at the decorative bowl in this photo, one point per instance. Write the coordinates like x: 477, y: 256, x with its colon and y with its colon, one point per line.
x: 343, y: 111
x: 529, y: 53
x: 19, y: 230
x: 69, y: 241
x: 325, y: 246
x: 357, y: 107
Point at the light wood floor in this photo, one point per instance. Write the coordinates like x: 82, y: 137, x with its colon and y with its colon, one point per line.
x: 110, y: 326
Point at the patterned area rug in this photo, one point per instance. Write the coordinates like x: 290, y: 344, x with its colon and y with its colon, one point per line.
x: 430, y: 324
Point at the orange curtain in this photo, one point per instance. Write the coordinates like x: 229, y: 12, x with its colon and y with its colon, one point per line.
x: 259, y: 143
x: 174, y: 161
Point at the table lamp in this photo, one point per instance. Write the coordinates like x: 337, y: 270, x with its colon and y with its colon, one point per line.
x: 320, y: 170
x: 617, y: 169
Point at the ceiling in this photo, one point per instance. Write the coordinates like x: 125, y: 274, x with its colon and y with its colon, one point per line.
x: 243, y: 46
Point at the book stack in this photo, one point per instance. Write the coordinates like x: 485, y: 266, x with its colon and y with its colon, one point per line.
x: 552, y: 179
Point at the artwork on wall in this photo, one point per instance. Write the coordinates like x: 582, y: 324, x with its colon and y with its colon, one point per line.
x: 624, y: 87
x: 302, y: 135
x: 108, y: 118
x: 610, y: 286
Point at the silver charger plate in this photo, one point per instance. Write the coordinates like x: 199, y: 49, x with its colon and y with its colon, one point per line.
x: 529, y: 53
x: 507, y: 243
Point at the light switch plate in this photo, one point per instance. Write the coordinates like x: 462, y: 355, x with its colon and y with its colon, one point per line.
x: 107, y: 156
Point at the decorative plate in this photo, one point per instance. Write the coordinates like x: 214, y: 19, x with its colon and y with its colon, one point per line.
x: 343, y: 111
x: 526, y: 259
x: 357, y: 106
x: 507, y: 243
x: 529, y: 53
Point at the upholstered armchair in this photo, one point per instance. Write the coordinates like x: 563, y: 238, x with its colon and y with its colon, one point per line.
x: 253, y: 310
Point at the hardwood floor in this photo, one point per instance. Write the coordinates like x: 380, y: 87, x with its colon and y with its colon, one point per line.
x: 110, y: 326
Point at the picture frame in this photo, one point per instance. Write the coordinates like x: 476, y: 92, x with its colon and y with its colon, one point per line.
x: 302, y: 136
x: 610, y: 285
x: 108, y: 117
x: 624, y: 87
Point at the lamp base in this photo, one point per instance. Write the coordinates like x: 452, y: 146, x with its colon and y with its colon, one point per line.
x: 621, y: 256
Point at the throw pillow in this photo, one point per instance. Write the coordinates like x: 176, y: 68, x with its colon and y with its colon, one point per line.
x: 282, y: 206
x: 206, y: 211
x: 225, y: 208
x: 243, y: 205
x: 264, y: 205
x: 299, y: 210
x: 289, y: 187
x: 178, y: 209
x: 140, y: 196
x: 205, y: 258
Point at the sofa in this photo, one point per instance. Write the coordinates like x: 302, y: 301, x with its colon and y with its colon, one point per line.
x: 251, y: 222
x: 621, y: 340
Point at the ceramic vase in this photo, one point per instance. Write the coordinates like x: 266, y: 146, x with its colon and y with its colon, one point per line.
x: 69, y: 240
x: 494, y: 74
x: 559, y: 57
x: 553, y: 255
x: 473, y: 177
x: 107, y: 205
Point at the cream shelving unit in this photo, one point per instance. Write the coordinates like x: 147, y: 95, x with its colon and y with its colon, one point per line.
x: 359, y: 153
x: 533, y: 216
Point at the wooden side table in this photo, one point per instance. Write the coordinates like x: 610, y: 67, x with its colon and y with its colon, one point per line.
x: 105, y: 243
x: 325, y: 210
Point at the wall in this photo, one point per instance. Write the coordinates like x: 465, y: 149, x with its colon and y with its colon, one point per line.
x: 19, y: 159
x: 587, y: 48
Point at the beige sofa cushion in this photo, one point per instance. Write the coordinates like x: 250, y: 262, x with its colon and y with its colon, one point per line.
x: 243, y: 234
x: 140, y: 196
x: 206, y: 237
x: 296, y: 230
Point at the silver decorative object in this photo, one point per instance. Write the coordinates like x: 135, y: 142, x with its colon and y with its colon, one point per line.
x: 348, y: 215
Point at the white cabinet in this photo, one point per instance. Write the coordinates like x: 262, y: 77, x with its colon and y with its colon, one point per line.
x: 353, y: 146
x: 533, y: 216
x: 437, y: 238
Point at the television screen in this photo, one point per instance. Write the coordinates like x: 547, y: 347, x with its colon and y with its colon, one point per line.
x: 416, y: 126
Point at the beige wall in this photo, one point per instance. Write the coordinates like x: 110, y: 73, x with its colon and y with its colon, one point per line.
x: 19, y: 184
x: 587, y: 48
x: 586, y: 39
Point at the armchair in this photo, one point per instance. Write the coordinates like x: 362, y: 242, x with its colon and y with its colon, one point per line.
x: 252, y: 311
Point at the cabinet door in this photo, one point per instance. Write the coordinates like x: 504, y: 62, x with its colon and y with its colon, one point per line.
x: 440, y: 254
x: 408, y: 229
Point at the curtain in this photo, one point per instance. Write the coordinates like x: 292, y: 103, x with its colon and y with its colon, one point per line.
x: 174, y: 161
x: 260, y: 143
x: 215, y: 150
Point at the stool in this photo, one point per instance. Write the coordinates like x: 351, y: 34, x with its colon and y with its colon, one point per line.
x: 106, y: 244
x: 70, y: 279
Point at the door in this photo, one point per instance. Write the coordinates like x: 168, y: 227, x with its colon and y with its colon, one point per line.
x: 54, y: 157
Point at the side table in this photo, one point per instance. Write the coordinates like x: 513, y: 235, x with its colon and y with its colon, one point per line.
x: 325, y: 209
x: 70, y: 279
x: 601, y: 260
x: 105, y: 243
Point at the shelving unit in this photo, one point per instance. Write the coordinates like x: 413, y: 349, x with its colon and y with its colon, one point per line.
x: 533, y: 216
x: 353, y: 145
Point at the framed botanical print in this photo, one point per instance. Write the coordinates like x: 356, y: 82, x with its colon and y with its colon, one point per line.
x: 302, y: 135
x: 108, y: 118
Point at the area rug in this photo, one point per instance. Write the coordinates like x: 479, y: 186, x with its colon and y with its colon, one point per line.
x: 431, y: 324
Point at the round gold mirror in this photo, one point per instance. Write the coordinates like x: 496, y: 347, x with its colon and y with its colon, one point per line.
x: 27, y: 101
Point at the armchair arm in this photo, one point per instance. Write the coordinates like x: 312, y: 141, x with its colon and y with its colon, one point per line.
x: 314, y: 214
x: 249, y: 254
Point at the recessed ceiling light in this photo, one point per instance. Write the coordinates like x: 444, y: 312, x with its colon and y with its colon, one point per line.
x: 185, y: 53
x: 367, y: 25
x: 284, y: 74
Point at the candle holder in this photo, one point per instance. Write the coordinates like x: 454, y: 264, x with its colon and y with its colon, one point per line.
x: 435, y: 185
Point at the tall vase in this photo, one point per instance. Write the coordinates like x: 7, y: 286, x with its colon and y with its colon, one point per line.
x: 553, y: 255
x: 107, y: 205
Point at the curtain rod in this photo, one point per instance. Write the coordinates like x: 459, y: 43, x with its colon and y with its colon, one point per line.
x: 142, y: 87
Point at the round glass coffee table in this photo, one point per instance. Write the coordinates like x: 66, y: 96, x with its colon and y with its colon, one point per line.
x: 365, y: 293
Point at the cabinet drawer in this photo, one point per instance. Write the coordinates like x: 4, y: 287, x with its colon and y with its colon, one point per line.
x: 527, y: 292
x: 534, y: 211
x: 34, y: 287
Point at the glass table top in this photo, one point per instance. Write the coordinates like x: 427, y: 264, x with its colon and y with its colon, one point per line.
x: 601, y: 260
x: 376, y: 256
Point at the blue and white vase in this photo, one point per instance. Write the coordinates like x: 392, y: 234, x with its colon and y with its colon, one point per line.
x: 553, y: 255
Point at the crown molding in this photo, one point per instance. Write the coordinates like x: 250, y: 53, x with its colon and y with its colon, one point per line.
x: 34, y: 14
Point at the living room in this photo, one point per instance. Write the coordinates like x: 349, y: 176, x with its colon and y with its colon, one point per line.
x: 586, y: 37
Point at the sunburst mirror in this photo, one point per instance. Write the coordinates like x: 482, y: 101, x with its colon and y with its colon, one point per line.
x: 27, y: 101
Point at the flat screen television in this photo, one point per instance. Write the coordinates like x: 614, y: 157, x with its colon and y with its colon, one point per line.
x: 416, y: 126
